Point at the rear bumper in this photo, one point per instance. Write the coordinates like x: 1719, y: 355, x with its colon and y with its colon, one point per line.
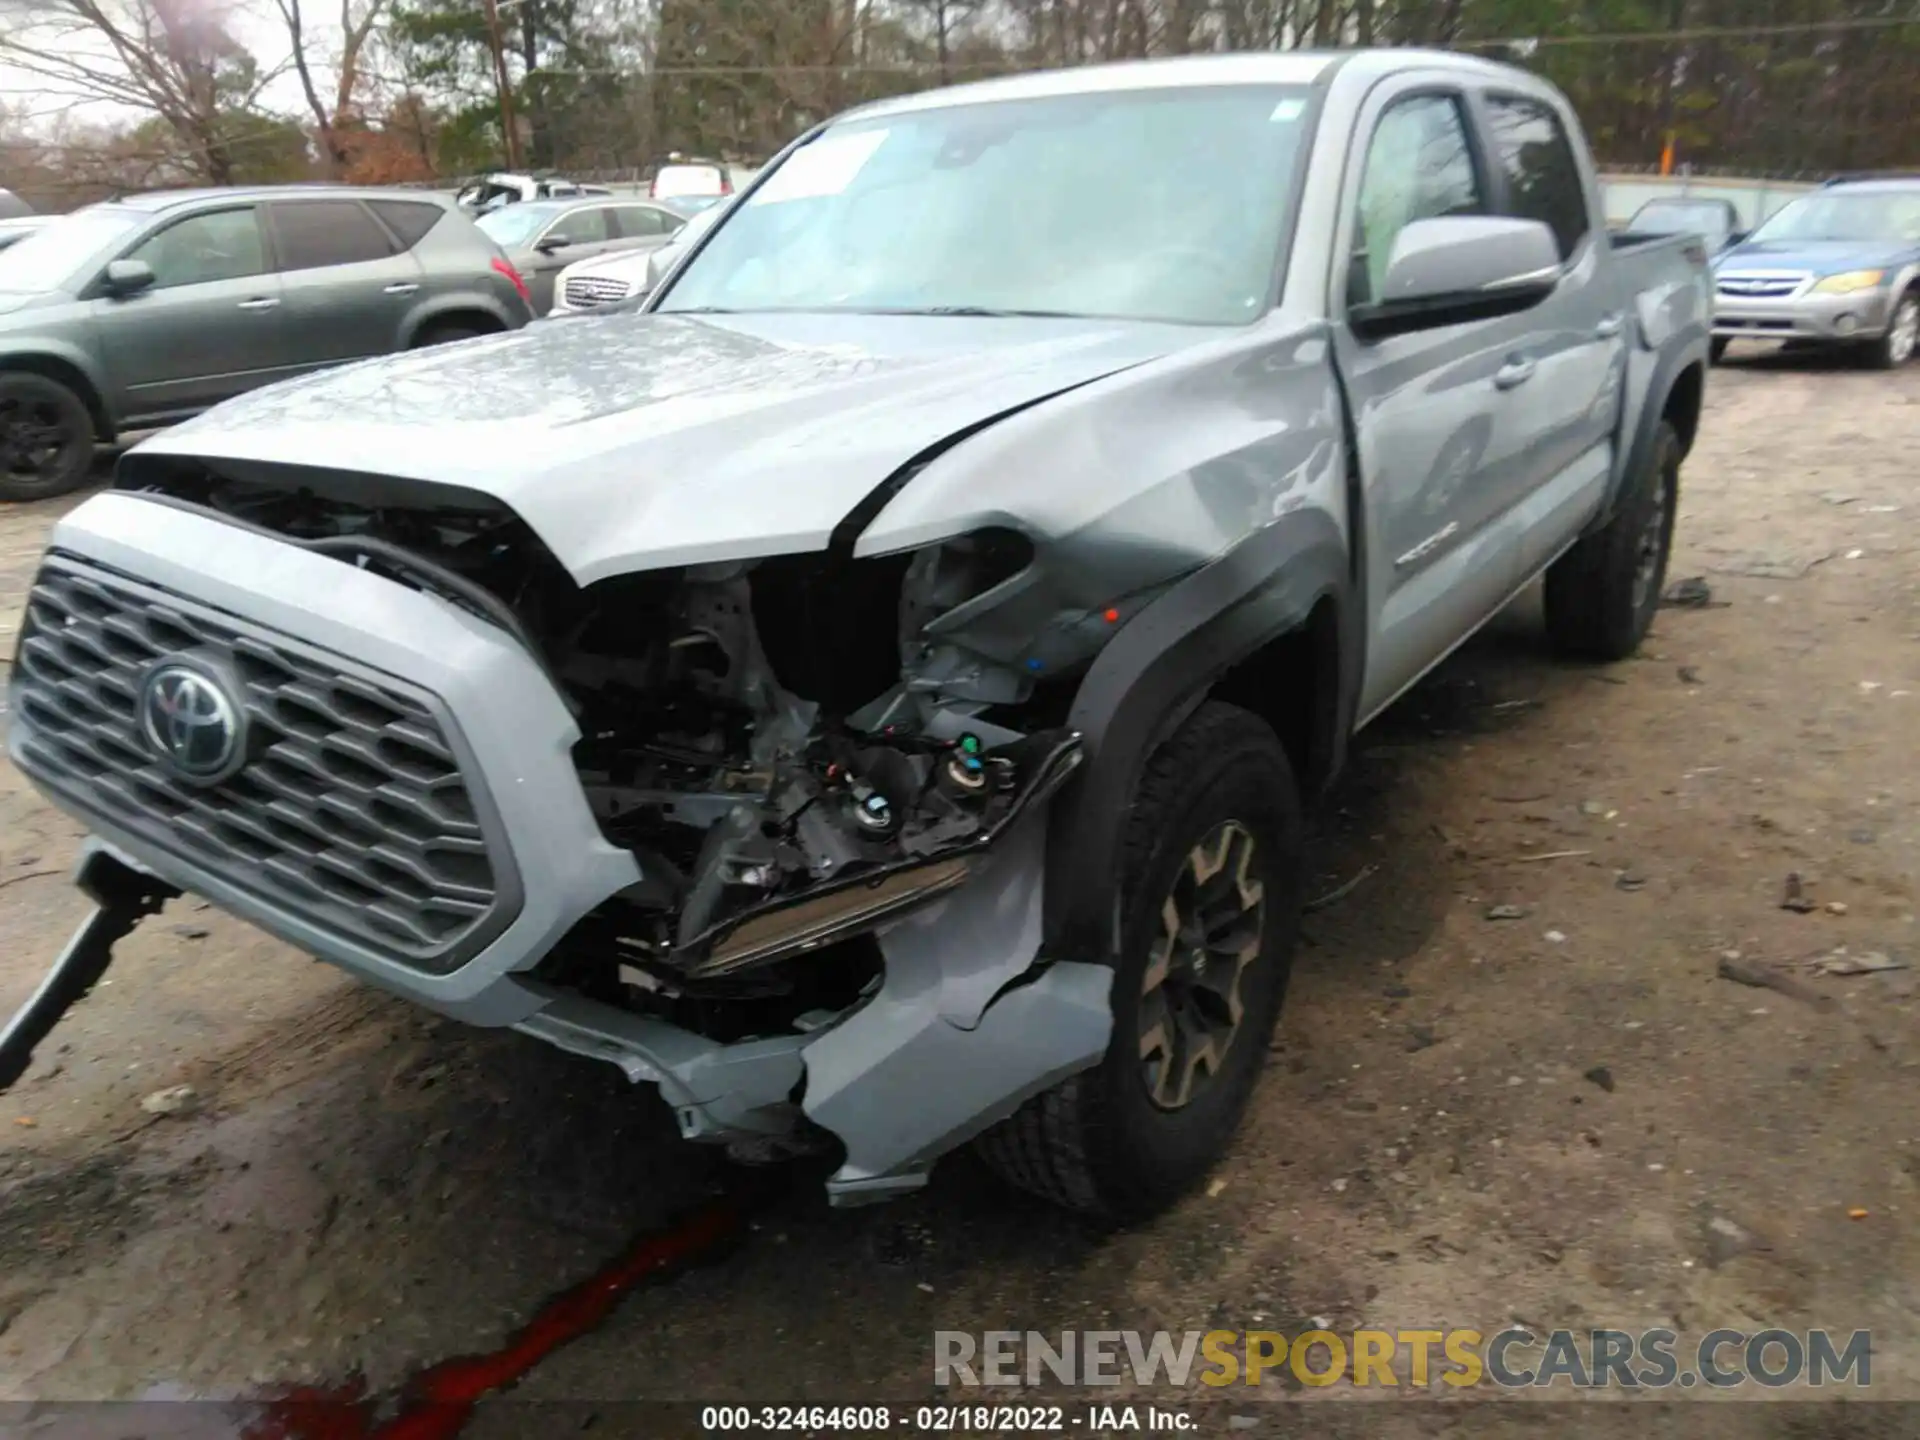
x: 1806, y: 316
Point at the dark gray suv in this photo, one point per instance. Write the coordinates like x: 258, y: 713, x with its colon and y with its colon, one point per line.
x: 146, y: 310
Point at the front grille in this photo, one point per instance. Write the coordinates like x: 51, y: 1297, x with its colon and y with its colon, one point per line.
x: 586, y: 291
x: 350, y: 812
x: 1776, y: 286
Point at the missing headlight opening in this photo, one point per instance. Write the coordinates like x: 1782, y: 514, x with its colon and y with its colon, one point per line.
x: 789, y: 757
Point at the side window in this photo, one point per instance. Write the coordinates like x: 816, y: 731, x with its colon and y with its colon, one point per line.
x: 587, y: 226
x: 221, y: 245
x: 314, y: 233
x: 1419, y: 166
x: 408, y: 219
x: 1543, y: 179
x: 644, y: 222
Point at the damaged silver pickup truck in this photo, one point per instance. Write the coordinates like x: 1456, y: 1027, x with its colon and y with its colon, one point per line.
x: 871, y: 689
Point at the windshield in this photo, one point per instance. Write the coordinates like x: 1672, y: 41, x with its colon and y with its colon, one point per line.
x: 62, y: 248
x: 1142, y: 204
x: 1863, y: 215
x: 515, y: 225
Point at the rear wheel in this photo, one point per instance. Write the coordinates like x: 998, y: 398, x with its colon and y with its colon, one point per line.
x: 1896, y: 347
x: 445, y: 332
x: 1210, y: 890
x: 46, y: 438
x: 1601, y: 595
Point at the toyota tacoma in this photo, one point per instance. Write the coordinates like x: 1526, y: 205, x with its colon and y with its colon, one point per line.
x: 871, y: 690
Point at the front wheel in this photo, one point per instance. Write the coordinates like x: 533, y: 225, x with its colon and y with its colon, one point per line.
x: 46, y: 438
x: 1210, y: 890
x: 1896, y: 347
x: 1601, y: 594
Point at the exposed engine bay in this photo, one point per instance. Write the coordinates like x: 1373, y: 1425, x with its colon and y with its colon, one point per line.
x: 789, y: 757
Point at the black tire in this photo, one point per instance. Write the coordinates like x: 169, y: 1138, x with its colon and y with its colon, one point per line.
x: 46, y: 438
x: 1099, y: 1142
x: 1902, y: 340
x: 446, y: 332
x: 1716, y: 348
x: 1602, y: 594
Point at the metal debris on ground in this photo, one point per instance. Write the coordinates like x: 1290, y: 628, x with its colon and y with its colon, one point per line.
x: 1551, y: 855
x: 1793, y: 895
x: 1340, y: 892
x: 1629, y: 880
x: 1507, y: 912
x: 1872, y: 962
x: 1692, y: 593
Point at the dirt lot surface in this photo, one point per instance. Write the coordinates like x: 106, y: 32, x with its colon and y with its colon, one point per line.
x: 1566, y: 1118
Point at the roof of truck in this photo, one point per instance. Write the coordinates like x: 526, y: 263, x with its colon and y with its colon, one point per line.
x: 1292, y: 67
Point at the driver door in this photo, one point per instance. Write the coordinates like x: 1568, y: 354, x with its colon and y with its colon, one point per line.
x: 1439, y: 444
x: 209, y: 327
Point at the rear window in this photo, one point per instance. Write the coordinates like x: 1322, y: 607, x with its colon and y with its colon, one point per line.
x: 408, y: 219
x: 316, y: 233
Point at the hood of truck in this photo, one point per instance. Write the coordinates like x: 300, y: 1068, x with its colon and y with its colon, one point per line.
x: 642, y: 441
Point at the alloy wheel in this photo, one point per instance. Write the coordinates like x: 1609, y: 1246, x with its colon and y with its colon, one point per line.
x: 1904, y: 333
x: 1646, y: 569
x: 34, y: 438
x: 1213, y: 922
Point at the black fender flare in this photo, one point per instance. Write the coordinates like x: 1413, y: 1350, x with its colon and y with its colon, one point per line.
x: 1673, y: 362
x: 1153, y: 674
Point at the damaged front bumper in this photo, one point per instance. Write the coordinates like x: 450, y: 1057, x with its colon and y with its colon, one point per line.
x: 423, y: 715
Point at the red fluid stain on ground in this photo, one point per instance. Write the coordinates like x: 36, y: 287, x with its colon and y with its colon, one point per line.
x: 438, y: 1402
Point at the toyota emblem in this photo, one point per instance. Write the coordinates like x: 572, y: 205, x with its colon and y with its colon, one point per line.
x: 191, y: 723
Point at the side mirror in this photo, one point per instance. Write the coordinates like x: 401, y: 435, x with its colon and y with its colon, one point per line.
x: 1734, y: 237
x: 128, y: 277
x: 553, y: 243
x: 1457, y: 268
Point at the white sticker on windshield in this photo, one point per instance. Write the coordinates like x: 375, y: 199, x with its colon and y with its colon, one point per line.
x: 826, y: 167
x: 1287, y: 110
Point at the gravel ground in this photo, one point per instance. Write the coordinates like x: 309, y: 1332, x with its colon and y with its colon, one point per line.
x: 1567, y: 1118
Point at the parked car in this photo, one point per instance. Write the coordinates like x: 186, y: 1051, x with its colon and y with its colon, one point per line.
x: 15, y: 230
x: 628, y: 275
x: 543, y: 236
x: 1717, y: 222
x: 489, y: 192
x: 1839, y: 266
x: 146, y: 310
x: 872, y: 692
x: 679, y: 178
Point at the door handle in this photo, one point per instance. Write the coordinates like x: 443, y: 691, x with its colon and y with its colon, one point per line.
x: 1609, y: 326
x: 260, y: 302
x: 1517, y: 371
x: 400, y: 287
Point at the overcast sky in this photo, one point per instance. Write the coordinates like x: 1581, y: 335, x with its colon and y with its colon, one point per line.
x: 256, y: 24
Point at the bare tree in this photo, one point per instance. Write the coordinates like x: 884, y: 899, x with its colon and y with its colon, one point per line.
x: 175, y: 60
x: 944, y: 17
x: 357, y: 23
